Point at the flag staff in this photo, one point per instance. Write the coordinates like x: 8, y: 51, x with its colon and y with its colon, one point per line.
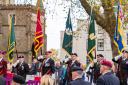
x: 16, y: 50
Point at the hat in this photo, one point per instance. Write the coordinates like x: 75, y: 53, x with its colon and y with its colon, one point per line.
x: 2, y: 52
x: 20, y: 56
x: 100, y: 55
x: 76, y: 68
x: 106, y: 63
x: 19, y: 79
x: 126, y: 50
x: 74, y: 54
x: 47, y: 52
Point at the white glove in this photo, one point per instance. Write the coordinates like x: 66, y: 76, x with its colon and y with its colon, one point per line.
x: 95, y: 60
x: 117, y: 57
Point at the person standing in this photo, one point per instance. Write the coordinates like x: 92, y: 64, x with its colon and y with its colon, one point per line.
x: 22, y: 67
x: 122, y: 70
x: 3, y: 64
x: 39, y: 65
x: 70, y: 64
x: 3, y: 68
x: 48, y: 64
x: 77, y: 74
x: 107, y: 77
x: 33, y: 69
x: 94, y: 69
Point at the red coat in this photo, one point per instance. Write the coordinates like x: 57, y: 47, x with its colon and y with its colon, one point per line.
x: 3, y: 67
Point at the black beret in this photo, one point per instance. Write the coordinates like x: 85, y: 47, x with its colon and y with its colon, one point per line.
x: 19, y: 79
x: 74, y: 54
x: 100, y: 55
x: 76, y: 68
x: 20, y: 56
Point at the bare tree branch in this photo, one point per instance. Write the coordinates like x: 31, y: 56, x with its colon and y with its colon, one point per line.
x: 98, y: 17
x: 107, y: 20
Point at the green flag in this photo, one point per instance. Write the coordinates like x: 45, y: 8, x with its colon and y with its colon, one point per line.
x: 11, y: 40
x: 91, y: 40
x: 67, y: 40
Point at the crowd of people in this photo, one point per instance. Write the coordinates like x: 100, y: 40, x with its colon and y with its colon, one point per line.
x: 70, y: 71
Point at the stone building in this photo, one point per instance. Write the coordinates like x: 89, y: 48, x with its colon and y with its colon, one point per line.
x: 80, y: 40
x: 25, y: 25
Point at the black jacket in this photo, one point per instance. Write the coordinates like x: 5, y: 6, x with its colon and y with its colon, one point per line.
x: 22, y: 69
x: 79, y: 81
x: 69, y: 67
x: 48, y: 67
x: 108, y: 79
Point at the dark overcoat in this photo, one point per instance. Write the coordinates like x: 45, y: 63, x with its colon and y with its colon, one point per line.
x: 79, y: 81
x: 108, y: 79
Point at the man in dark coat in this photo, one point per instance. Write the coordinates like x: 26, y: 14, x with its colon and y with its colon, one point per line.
x: 94, y: 69
x: 70, y: 64
x: 22, y: 67
x: 48, y: 65
x: 33, y: 69
x: 77, y: 73
x: 107, y: 77
x: 122, y: 71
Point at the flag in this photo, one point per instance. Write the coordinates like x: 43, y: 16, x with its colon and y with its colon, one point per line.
x: 32, y: 50
x: 68, y: 36
x: 11, y: 40
x: 118, y: 40
x: 91, y: 40
x: 40, y: 5
x: 38, y: 40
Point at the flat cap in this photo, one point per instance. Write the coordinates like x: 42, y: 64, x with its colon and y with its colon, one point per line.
x: 76, y: 68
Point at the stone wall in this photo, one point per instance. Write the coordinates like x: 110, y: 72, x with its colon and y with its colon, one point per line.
x: 25, y: 25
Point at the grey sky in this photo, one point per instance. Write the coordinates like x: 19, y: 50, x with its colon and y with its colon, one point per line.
x: 56, y: 15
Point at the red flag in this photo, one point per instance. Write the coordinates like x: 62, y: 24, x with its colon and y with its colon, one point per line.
x: 39, y: 38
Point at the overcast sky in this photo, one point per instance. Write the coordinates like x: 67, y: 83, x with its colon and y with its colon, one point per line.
x: 56, y: 15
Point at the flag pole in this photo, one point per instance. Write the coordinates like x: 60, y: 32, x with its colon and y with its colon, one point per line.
x: 91, y: 76
x: 16, y: 51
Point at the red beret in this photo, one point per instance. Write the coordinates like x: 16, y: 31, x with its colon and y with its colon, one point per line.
x: 2, y: 52
x: 106, y: 63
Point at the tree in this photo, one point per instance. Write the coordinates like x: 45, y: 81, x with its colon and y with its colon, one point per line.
x: 107, y: 20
